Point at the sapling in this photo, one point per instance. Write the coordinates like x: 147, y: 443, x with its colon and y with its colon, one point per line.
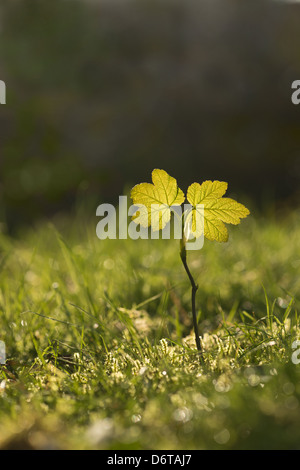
x: 204, y: 216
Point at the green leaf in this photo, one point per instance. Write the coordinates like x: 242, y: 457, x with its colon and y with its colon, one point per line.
x: 217, y: 210
x: 154, y: 200
x: 196, y: 193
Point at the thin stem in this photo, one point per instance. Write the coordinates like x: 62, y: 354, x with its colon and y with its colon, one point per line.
x: 194, y: 290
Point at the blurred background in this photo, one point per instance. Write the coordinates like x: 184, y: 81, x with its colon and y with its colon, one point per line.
x: 101, y: 92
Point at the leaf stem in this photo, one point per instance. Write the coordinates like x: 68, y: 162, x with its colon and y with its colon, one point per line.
x: 194, y: 290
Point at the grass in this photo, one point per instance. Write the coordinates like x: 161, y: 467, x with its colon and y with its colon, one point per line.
x: 101, y: 351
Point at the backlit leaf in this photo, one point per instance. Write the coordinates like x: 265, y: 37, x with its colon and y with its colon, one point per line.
x: 217, y: 210
x: 154, y: 200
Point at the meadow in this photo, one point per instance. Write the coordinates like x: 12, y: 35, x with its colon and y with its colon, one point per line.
x: 100, y: 350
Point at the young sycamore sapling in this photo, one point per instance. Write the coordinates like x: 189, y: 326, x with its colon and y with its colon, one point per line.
x: 206, y: 203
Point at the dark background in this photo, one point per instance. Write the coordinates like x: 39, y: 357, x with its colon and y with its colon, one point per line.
x: 100, y: 93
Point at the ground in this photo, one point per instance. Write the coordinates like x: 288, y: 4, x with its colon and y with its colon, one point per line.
x: 100, y: 347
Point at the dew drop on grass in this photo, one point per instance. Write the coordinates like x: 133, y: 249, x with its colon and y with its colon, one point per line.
x: 222, y: 437
x: 288, y: 388
x: 291, y: 403
x: 183, y: 415
x: 109, y: 264
x: 253, y: 380
x: 136, y: 418
x: 222, y: 384
x: 100, y: 431
x: 283, y: 303
x: 143, y: 370
x: 2, y: 386
x: 148, y: 261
